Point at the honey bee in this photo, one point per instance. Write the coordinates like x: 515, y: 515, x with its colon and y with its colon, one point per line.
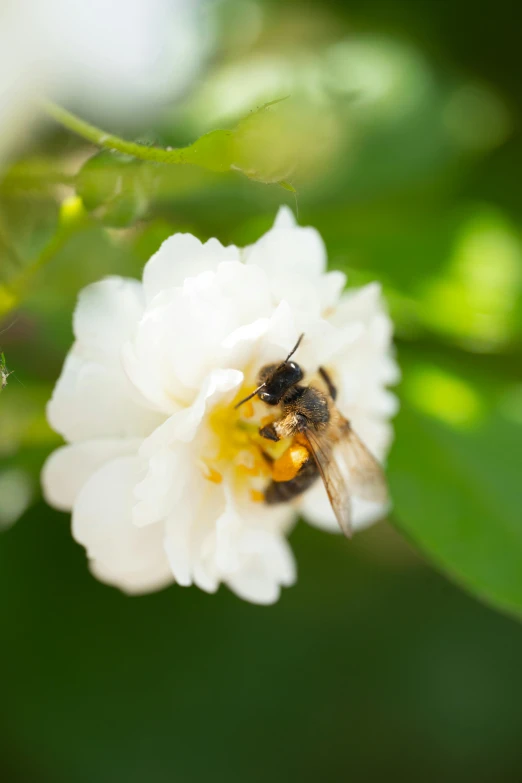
x: 328, y: 445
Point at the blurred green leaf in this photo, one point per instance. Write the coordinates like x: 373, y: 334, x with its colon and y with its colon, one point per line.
x: 27, y: 224
x: 115, y: 188
x: 457, y: 494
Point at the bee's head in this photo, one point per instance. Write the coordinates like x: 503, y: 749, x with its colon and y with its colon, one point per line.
x: 276, y: 379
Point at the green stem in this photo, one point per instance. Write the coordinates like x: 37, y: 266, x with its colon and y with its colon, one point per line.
x: 73, y: 219
x: 215, y: 151
x: 108, y: 141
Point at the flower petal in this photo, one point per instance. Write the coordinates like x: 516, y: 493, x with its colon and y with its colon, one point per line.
x: 169, y: 454
x: 317, y: 510
x: 102, y: 522
x: 285, y: 218
x: 93, y: 400
x: 106, y: 316
x: 93, y: 397
x: 268, y: 565
x: 183, y: 335
x: 145, y: 580
x: 289, y: 251
x: 69, y: 467
x: 247, y: 550
x: 182, y: 425
x: 182, y: 256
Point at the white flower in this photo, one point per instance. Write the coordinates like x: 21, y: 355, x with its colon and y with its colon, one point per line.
x: 162, y: 474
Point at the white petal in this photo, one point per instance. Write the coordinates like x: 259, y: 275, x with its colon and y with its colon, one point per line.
x: 286, y: 251
x: 185, y: 332
x: 190, y: 534
x: 93, y: 397
x: 187, y: 532
x: 250, y: 552
x: 169, y: 455
x: 317, y: 510
x: 167, y: 474
x: 69, y: 467
x: 182, y: 426
x: 284, y: 218
x: 102, y: 522
x: 270, y: 565
x: 359, y: 304
x: 331, y: 287
x: 363, y: 371
x: 177, y: 542
x: 182, y: 256
x: 228, y: 530
x: 147, y: 580
x: 294, y: 260
x: 93, y: 400
x: 106, y: 316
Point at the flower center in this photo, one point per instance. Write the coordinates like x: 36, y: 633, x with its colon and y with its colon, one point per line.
x: 238, y: 450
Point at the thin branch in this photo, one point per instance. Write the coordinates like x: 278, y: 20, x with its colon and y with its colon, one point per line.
x: 108, y: 141
x: 73, y: 219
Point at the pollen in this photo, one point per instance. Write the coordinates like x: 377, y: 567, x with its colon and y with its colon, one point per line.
x: 290, y: 463
x: 238, y: 451
x: 213, y: 475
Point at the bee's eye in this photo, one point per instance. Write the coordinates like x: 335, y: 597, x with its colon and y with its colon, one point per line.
x: 294, y: 372
x: 270, y: 399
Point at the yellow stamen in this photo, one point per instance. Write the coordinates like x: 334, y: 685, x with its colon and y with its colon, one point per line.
x: 247, y: 470
x: 240, y: 453
x: 213, y: 475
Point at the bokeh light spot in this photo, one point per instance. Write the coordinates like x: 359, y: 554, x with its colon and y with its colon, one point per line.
x: 16, y: 492
x: 475, y: 301
x: 443, y: 396
x: 476, y: 118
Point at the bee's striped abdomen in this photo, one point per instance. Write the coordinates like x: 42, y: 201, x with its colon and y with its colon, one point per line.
x: 282, y: 491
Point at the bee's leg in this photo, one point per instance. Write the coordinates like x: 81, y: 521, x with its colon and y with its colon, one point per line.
x: 332, y: 390
x: 269, y: 432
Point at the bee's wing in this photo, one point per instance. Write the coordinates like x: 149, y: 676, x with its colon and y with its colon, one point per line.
x: 335, y: 483
x: 366, y: 477
x: 346, y: 467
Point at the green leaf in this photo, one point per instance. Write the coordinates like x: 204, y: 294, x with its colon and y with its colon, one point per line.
x: 27, y: 224
x: 115, y: 188
x: 457, y: 494
x: 262, y: 146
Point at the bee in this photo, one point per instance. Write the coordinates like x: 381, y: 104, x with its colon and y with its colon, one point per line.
x: 329, y: 447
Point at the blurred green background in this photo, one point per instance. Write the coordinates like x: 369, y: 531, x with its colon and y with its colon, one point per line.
x: 406, y: 119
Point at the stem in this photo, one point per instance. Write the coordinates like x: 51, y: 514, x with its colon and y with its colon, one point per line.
x: 108, y: 141
x: 73, y: 218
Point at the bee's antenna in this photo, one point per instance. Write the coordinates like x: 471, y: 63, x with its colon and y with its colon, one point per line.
x: 250, y: 396
x: 294, y: 349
